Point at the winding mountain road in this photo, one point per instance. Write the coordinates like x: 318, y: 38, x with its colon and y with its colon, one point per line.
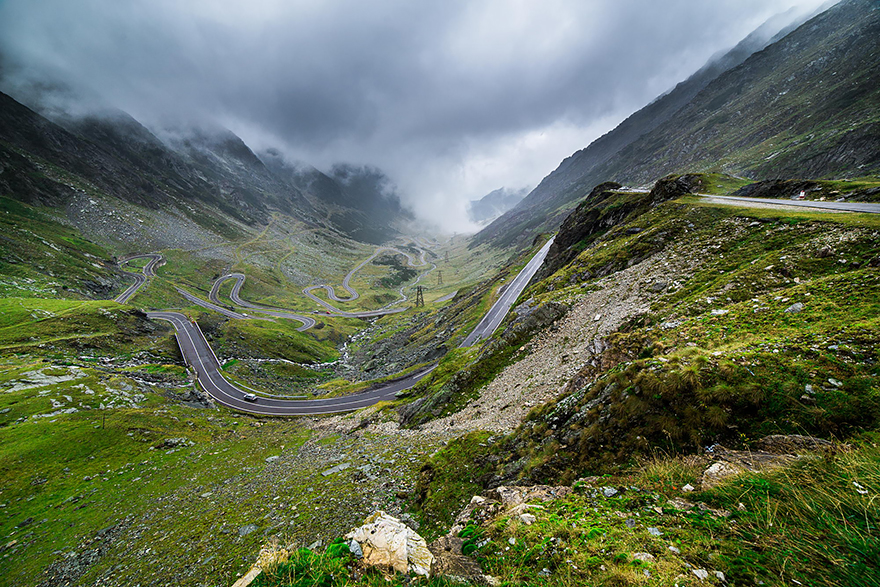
x: 234, y: 295
x: 864, y: 207
x: 200, y: 356
x: 139, y: 278
x: 197, y: 352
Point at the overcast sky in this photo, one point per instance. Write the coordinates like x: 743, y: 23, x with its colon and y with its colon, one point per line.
x: 451, y: 98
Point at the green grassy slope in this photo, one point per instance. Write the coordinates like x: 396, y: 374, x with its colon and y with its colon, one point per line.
x: 774, y: 332
x: 39, y: 257
x: 811, y: 523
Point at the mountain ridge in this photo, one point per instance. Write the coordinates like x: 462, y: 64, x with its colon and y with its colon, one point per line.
x: 120, y: 157
x: 648, y: 156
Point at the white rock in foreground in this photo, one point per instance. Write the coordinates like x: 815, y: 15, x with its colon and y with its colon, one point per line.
x: 387, y: 541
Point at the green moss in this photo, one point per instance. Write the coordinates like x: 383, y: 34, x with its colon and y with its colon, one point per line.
x: 449, y: 478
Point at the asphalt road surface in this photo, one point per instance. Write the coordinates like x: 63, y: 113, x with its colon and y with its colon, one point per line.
x: 837, y: 206
x: 211, y: 306
x: 353, y: 294
x: 499, y: 309
x: 200, y: 356
x: 198, y: 353
x: 139, y: 278
x: 234, y: 295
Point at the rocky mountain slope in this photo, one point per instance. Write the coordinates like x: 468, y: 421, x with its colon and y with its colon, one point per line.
x: 804, y: 106
x: 211, y: 178
x: 680, y: 371
x: 688, y: 329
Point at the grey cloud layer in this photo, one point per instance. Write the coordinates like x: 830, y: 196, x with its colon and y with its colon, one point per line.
x: 430, y: 89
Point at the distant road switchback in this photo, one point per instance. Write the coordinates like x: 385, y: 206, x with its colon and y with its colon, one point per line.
x: 234, y: 295
x: 200, y: 356
x: 139, y: 278
x: 353, y: 294
x: 212, y: 306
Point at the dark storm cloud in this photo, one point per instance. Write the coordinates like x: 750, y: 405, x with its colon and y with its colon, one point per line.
x: 452, y: 98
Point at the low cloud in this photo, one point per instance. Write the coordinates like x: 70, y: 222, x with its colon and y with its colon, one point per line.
x: 451, y: 98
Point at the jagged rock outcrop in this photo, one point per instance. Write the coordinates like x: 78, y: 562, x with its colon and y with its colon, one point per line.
x: 607, y: 206
x: 771, y: 452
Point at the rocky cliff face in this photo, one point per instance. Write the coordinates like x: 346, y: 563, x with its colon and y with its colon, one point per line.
x: 606, y: 207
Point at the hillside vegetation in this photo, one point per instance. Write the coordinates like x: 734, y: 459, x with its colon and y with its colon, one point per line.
x: 726, y: 326
x: 685, y: 394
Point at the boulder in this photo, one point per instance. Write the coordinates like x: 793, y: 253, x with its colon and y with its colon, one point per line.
x: 791, y: 443
x: 770, y: 452
x: 388, y: 542
x: 717, y: 472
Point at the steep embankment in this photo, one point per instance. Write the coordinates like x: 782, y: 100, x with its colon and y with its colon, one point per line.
x: 805, y: 106
x: 689, y: 325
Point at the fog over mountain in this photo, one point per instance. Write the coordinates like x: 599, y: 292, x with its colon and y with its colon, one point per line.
x: 449, y: 98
